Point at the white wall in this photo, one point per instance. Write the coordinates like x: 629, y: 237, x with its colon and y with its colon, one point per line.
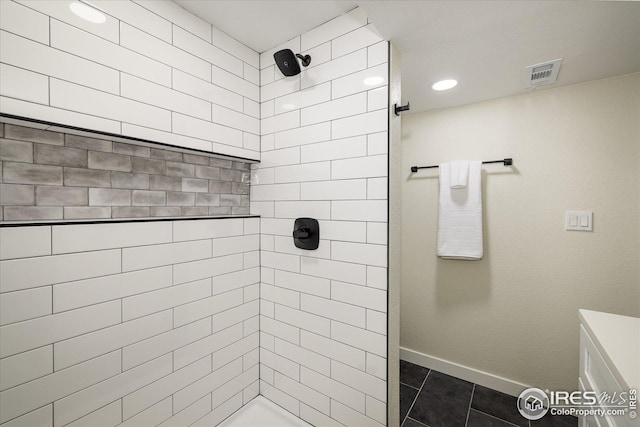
x: 324, y: 155
x: 514, y: 314
x: 152, y: 323
x: 151, y: 71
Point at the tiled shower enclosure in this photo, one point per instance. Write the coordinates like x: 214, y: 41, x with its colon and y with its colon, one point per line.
x: 180, y: 321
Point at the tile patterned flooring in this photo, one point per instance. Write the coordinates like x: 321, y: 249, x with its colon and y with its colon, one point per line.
x: 430, y: 398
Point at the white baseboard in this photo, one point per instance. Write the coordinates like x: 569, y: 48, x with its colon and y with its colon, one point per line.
x: 485, y: 379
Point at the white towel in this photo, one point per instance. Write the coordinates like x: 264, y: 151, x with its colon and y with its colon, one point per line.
x: 460, y: 215
x: 458, y: 174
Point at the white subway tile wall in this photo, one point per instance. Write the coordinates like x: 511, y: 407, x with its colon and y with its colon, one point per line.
x: 324, y: 155
x: 118, y: 340
x: 151, y: 71
x: 181, y: 322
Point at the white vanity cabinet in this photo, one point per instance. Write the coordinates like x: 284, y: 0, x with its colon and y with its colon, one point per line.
x: 609, y: 361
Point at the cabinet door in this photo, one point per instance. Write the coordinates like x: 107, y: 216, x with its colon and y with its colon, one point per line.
x: 588, y: 421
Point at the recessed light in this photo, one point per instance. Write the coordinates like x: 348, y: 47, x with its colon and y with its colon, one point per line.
x: 444, y: 84
x: 87, y: 13
x: 373, y: 81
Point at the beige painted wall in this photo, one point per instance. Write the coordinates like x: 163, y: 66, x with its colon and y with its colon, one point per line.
x: 514, y: 314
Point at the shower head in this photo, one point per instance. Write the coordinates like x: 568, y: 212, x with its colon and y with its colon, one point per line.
x: 287, y: 62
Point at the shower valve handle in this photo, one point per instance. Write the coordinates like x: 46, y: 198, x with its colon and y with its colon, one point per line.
x: 302, y: 233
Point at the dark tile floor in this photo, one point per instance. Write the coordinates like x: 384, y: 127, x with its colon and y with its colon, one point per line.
x: 432, y: 399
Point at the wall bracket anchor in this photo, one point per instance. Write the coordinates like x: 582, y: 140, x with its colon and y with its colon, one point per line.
x: 400, y: 108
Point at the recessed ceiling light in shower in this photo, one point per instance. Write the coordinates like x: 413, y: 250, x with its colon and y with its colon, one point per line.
x: 444, y: 84
x: 87, y: 12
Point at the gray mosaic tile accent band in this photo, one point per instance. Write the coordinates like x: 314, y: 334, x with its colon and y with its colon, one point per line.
x: 48, y: 175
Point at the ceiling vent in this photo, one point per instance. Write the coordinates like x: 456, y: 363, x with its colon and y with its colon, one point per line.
x: 542, y: 74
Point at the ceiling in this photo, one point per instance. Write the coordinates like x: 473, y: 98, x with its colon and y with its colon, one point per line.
x: 485, y: 45
x: 265, y: 24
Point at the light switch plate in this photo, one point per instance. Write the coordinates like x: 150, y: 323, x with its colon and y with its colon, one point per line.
x: 578, y: 220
